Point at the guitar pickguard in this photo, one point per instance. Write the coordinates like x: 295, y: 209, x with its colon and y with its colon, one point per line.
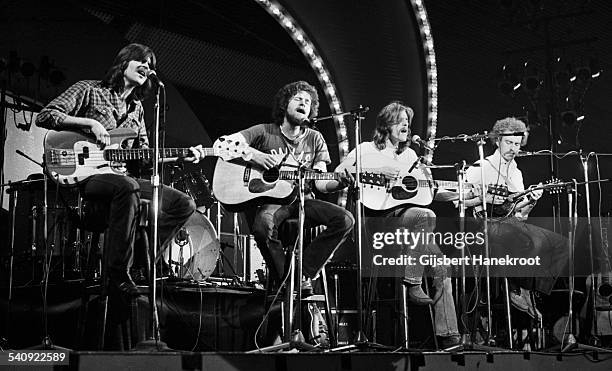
x: 259, y: 186
x: 399, y: 193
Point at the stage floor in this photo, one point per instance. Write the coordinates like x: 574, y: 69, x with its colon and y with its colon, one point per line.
x: 356, y: 361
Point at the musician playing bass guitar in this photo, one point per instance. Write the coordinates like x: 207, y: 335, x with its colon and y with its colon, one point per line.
x: 388, y: 154
x: 512, y: 235
x: 95, y: 108
x: 285, y: 141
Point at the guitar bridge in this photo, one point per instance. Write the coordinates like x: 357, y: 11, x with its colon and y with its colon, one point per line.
x: 246, y: 176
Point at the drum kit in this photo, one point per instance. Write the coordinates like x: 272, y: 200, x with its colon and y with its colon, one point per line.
x: 194, y: 254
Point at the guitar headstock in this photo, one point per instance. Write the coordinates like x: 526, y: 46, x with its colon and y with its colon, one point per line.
x: 498, y: 190
x: 229, y: 149
x: 554, y: 186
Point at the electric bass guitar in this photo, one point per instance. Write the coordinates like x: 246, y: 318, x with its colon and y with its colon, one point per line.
x: 72, y: 157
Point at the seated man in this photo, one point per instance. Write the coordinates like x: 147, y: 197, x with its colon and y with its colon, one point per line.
x: 95, y: 107
x: 286, y: 140
x: 391, y: 141
x: 512, y: 235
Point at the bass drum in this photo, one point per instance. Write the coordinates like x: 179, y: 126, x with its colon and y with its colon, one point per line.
x: 195, y: 249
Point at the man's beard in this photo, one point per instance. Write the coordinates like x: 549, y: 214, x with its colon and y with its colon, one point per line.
x: 293, y: 120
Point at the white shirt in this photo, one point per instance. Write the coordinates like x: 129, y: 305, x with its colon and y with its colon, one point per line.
x: 497, y: 171
x: 408, y: 156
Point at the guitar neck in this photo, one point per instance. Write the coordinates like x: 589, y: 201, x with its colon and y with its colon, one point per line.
x: 309, y: 175
x: 147, y: 153
x: 448, y: 184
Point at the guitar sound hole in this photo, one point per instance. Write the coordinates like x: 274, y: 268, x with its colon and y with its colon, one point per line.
x: 409, y: 183
x: 271, y: 175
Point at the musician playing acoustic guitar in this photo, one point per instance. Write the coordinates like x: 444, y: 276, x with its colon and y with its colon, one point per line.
x: 392, y: 156
x: 512, y: 235
x: 287, y: 141
x: 95, y: 107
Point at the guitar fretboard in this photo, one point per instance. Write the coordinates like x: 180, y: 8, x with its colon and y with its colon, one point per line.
x: 147, y: 153
x: 309, y: 175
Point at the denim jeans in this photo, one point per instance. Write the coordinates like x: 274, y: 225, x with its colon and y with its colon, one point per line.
x: 422, y: 219
x: 115, y: 200
x: 521, y: 239
x: 339, y: 223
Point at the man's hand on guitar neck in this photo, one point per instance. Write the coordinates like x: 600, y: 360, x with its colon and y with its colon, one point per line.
x: 525, y: 206
x: 198, y: 154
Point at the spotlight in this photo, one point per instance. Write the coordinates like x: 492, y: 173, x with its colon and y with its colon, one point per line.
x: 568, y: 117
x: 595, y: 67
x: 583, y: 73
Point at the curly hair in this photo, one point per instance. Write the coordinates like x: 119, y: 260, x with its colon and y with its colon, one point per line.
x: 387, y: 117
x: 114, y: 76
x: 284, y: 95
x: 509, y: 125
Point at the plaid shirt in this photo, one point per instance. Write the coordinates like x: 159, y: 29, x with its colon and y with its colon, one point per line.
x: 88, y: 98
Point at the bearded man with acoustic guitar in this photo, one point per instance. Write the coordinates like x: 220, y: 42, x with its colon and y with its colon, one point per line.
x: 287, y: 141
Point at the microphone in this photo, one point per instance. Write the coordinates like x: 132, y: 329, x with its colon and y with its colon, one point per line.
x: 308, y: 122
x: 417, y: 140
x: 152, y: 76
x: 360, y: 109
x: 525, y: 153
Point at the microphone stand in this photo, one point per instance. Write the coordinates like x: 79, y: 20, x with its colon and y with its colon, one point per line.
x: 571, y: 344
x: 466, y: 341
x: 360, y: 338
x: 594, y: 340
x: 154, y: 342
x: 295, y: 336
x: 292, y: 335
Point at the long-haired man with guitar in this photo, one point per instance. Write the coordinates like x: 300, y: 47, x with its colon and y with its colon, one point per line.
x: 276, y: 149
x: 388, y: 155
x: 94, y: 108
x: 511, y: 234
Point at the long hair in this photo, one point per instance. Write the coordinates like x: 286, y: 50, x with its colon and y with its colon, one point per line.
x: 284, y: 95
x: 114, y: 76
x: 509, y: 125
x: 387, y: 117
